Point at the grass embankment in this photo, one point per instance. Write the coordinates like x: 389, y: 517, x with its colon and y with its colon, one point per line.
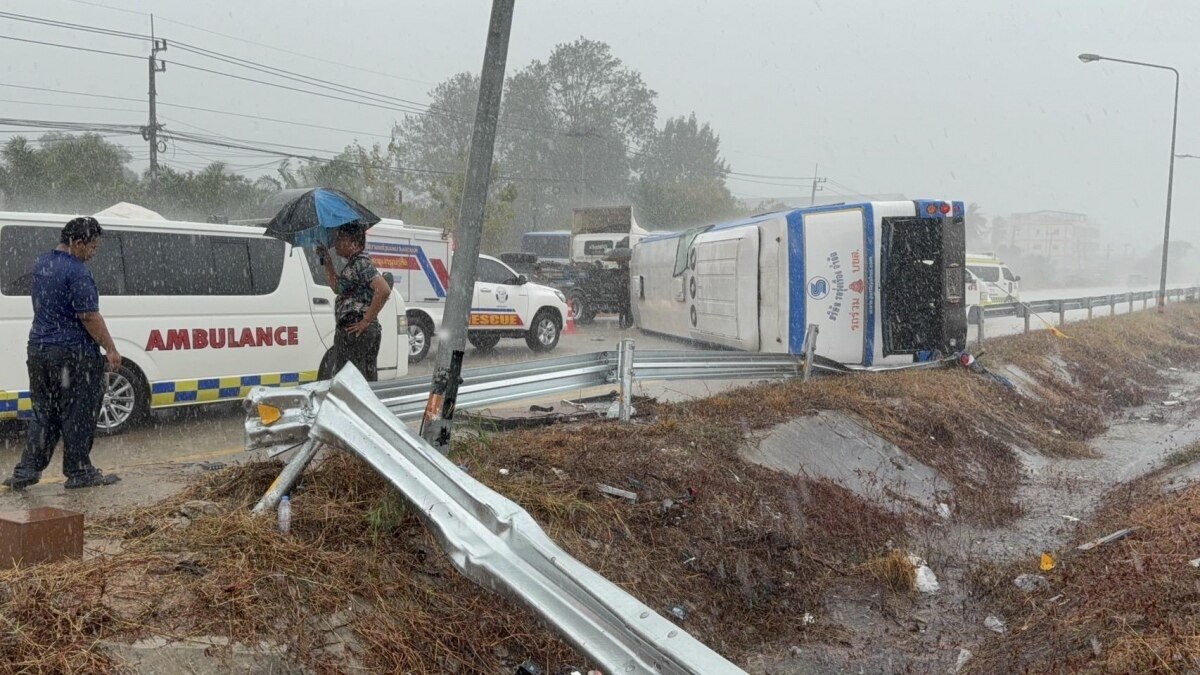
x: 745, y: 551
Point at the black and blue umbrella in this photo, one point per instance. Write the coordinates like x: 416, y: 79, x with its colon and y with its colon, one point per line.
x: 311, y: 218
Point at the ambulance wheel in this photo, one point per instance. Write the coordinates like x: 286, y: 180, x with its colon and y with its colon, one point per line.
x: 126, y: 400
x: 580, y: 308
x: 420, y: 337
x: 544, y: 333
x: 482, y: 340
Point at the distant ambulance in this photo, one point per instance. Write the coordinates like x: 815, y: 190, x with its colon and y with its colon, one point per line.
x: 199, y: 312
x: 883, y: 281
x: 989, y: 282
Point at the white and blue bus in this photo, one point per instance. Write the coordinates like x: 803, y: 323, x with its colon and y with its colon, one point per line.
x: 883, y: 281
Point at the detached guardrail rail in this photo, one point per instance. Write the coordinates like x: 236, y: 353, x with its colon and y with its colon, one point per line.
x: 489, y: 538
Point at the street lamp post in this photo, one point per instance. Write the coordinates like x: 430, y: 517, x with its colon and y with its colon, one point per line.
x: 1162, y: 283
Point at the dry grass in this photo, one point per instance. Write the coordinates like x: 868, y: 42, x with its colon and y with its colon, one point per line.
x: 744, y: 550
x: 893, y: 571
x: 1138, y: 597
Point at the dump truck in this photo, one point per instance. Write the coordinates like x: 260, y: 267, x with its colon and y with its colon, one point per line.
x: 883, y: 282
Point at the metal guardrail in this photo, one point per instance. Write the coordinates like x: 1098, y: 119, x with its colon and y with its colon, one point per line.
x: 1061, y: 306
x: 491, y: 385
x: 489, y: 538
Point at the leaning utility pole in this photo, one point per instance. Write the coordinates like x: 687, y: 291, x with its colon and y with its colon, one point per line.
x: 150, y: 131
x: 439, y: 411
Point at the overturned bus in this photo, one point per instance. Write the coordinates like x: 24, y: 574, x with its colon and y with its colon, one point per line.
x: 883, y: 282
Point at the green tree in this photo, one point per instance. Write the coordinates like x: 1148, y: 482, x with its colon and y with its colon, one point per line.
x: 682, y: 177
x: 68, y: 174
x: 979, y: 230
x: 213, y: 191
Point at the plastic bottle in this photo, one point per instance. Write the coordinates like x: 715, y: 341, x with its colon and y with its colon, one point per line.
x: 285, y: 514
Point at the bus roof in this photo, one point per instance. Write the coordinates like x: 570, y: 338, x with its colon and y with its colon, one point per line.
x: 59, y: 219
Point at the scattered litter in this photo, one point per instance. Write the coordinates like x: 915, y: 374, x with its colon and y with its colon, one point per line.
x: 558, y: 473
x: 1175, y: 396
x: 1047, y: 563
x: 666, y: 505
x: 808, y: 619
x: 1072, y: 519
x: 1030, y: 582
x: 1172, y: 402
x: 1195, y: 563
x: 212, y: 466
x: 503, y: 472
x: 616, y: 492
x: 679, y: 612
x: 943, y: 511
x: 541, y: 408
x: 926, y: 580
x: 1055, y: 598
x: 1096, y: 646
x: 964, y: 655
x: 1119, y: 534
x: 795, y: 651
x: 994, y: 624
x: 530, y: 668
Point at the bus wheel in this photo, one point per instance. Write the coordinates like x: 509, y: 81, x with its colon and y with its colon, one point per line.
x: 126, y: 401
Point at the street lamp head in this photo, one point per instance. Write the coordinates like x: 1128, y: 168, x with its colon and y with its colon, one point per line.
x: 1088, y: 58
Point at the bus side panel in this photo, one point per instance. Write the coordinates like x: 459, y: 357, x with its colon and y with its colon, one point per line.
x: 773, y: 298
x: 833, y: 283
x: 723, y: 291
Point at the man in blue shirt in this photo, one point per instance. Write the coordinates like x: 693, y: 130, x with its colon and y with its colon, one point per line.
x: 66, y: 369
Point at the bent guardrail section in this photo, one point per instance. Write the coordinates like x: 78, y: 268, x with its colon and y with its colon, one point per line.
x: 489, y: 538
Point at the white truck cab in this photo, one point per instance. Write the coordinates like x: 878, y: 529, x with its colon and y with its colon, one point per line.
x: 989, y: 282
x: 506, y: 305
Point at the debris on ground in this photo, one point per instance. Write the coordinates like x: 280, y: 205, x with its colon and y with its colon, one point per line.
x: 926, y: 581
x: 964, y: 655
x: 1030, y: 582
x: 1108, y: 539
x: 994, y: 624
x: 618, y: 492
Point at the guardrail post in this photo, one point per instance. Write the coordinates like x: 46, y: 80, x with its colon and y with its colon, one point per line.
x: 1089, y: 303
x: 1062, y: 313
x: 1026, y: 313
x: 980, y: 329
x: 810, y: 348
x: 625, y: 370
x: 1146, y: 303
x: 287, y: 478
x: 1112, y: 305
x: 1131, y: 303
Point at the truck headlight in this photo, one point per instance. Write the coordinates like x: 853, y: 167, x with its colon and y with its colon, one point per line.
x: 561, y: 298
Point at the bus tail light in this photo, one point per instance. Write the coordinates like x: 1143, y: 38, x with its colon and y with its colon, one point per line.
x: 945, y: 208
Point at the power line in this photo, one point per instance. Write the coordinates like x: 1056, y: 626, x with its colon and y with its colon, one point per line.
x: 54, y: 23
x: 259, y: 44
x: 196, y: 108
x: 69, y: 105
x: 78, y: 49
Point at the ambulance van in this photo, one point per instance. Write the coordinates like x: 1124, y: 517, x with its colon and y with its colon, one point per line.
x: 199, y: 312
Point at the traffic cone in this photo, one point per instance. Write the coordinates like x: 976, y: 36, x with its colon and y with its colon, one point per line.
x: 570, y: 329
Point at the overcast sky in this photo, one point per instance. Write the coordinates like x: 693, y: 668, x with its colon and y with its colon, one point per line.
x: 979, y: 101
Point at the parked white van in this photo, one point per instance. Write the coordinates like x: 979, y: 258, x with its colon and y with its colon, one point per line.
x: 989, y: 282
x: 199, y: 312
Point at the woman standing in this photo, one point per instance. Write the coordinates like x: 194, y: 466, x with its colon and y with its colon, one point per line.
x: 361, y: 294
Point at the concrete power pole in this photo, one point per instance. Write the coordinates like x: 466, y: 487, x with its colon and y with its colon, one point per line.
x: 816, y: 185
x: 150, y: 131
x: 439, y: 411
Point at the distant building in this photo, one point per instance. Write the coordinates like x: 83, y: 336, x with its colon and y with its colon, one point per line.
x: 1067, y: 240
